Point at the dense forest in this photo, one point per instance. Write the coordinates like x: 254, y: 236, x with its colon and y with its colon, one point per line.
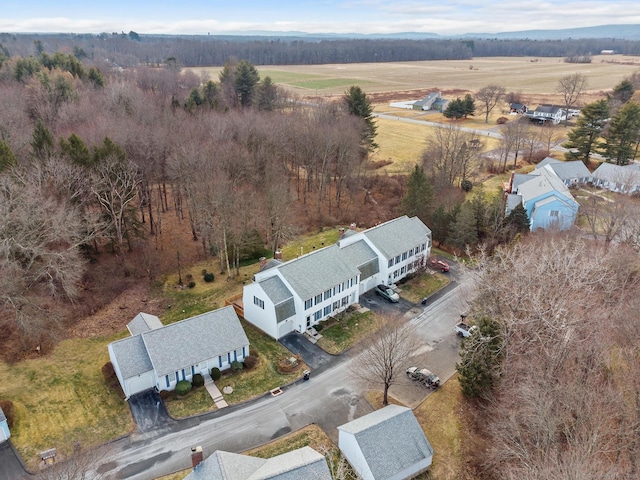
x: 132, y: 49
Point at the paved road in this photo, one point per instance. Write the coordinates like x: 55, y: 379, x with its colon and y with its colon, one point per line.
x: 332, y: 397
x: 479, y: 132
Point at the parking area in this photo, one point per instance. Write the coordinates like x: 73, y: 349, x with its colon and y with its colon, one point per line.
x: 148, y: 411
x: 311, y: 354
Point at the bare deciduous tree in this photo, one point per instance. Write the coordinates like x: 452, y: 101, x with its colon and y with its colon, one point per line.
x: 571, y: 87
x: 449, y: 157
x: 489, y: 97
x: 385, y: 354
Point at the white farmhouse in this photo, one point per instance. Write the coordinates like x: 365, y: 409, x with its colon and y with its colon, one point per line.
x: 298, y: 294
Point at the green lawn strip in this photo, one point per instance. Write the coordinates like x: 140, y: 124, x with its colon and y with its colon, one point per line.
x: 440, y: 420
x: 310, y: 243
x: 351, y: 327
x: 422, y: 286
x: 62, y: 397
x: 196, y: 401
x: 327, y: 83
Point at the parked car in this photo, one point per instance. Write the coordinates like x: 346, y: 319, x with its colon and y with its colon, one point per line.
x: 424, y: 377
x: 388, y: 293
x: 440, y: 264
x: 464, y: 330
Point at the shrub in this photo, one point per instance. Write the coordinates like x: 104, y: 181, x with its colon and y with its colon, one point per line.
x: 7, y: 408
x: 197, y: 380
x: 502, y: 120
x: 215, y: 374
x: 285, y: 365
x: 250, y: 362
x: 165, y: 394
x: 236, y: 365
x: 183, y: 387
x: 191, y: 284
x: 108, y: 372
x: 466, y: 185
x: 209, y: 277
x: 254, y: 352
x: 318, y: 327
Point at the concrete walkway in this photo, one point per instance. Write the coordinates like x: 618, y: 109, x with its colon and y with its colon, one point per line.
x: 216, y: 396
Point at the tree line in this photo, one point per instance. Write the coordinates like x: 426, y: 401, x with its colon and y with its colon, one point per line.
x: 132, y: 49
x: 88, y: 168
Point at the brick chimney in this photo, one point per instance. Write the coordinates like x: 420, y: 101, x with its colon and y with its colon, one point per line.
x: 196, y: 456
x: 263, y: 261
x: 277, y: 255
x: 340, y: 232
x: 352, y: 226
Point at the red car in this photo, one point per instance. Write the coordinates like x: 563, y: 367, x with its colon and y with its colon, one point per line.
x: 440, y: 264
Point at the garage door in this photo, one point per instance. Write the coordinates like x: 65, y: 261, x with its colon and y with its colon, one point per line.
x: 139, y: 384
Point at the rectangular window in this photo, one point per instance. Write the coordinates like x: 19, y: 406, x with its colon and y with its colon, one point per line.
x: 228, y: 357
x: 345, y: 301
x: 318, y: 299
x: 193, y: 370
x: 243, y: 351
x: 327, y: 310
x: 398, y: 259
x: 308, y: 304
x: 424, y: 247
x: 220, y: 361
x: 402, y: 270
x: 395, y: 274
x: 258, y: 302
x: 336, y: 305
x: 235, y: 356
x: 411, y: 252
x: 554, y: 213
x: 183, y: 375
x: 390, y: 263
x: 327, y: 294
x: 318, y: 315
x: 167, y: 378
x: 404, y: 255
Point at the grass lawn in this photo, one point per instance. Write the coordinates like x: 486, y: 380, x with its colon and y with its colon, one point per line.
x: 309, y: 243
x: 62, y: 397
x: 197, y: 400
x: 422, y: 286
x: 347, y: 331
x: 440, y: 420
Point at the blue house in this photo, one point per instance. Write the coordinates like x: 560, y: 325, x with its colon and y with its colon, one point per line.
x: 546, y: 198
x: 4, y: 427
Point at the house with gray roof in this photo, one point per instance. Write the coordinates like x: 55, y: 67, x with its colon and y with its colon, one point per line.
x: 303, y: 463
x: 618, y: 178
x: 571, y: 173
x: 4, y: 427
x: 143, y: 322
x: 161, y: 356
x: 300, y: 293
x: 387, y: 444
x: 546, y: 113
x: 545, y: 197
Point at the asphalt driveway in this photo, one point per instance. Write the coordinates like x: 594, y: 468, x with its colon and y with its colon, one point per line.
x: 148, y: 411
x: 312, y: 355
x: 11, y: 467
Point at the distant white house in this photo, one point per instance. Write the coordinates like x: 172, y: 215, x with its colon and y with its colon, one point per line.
x: 300, y: 293
x: 546, y: 113
x: 303, y: 464
x: 433, y: 101
x: 4, y: 427
x: 387, y: 444
x: 157, y: 356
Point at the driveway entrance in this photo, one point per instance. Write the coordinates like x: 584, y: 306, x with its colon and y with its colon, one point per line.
x: 148, y: 411
x: 311, y: 354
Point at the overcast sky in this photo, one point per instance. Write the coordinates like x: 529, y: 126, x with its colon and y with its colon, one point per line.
x: 319, y: 16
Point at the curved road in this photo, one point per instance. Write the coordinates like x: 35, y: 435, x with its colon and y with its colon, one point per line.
x: 331, y: 397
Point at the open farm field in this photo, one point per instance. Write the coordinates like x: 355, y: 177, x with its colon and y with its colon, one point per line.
x: 528, y: 75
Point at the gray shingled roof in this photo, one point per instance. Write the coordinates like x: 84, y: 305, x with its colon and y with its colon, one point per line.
x: 271, y: 264
x: 547, y: 161
x: 301, y: 464
x: 275, y: 289
x: 390, y: 439
x: 316, y: 272
x: 627, y: 175
x: 132, y: 356
x: 195, y: 339
x: 358, y: 253
x: 397, y: 236
x: 143, y: 322
x: 570, y: 170
x: 519, y: 179
x: 544, y: 183
x: 513, y: 201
